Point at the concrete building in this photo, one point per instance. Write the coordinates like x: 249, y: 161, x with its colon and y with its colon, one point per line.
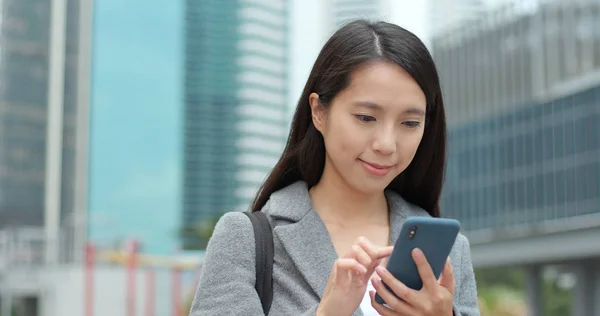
x: 522, y: 93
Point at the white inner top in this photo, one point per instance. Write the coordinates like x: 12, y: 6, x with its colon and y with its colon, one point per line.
x: 365, y: 304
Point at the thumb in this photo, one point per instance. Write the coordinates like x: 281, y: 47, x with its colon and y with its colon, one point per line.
x: 447, y: 278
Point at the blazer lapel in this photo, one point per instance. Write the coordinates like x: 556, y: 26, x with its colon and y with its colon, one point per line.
x: 309, y: 245
x: 302, y: 234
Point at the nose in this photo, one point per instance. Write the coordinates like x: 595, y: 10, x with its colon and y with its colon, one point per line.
x: 384, y: 141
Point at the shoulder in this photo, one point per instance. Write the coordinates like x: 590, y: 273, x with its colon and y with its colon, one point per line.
x: 228, y: 270
x: 233, y: 223
x: 461, y: 252
x: 462, y: 244
x: 233, y: 231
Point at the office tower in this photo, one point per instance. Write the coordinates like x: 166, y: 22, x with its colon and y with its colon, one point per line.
x: 516, y: 109
x: 43, y: 111
x: 235, y: 92
x: 522, y: 98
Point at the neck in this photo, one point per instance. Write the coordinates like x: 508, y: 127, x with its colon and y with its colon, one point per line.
x: 335, y: 201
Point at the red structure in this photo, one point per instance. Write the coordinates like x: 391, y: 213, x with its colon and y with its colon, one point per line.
x: 89, y: 280
x: 131, y: 280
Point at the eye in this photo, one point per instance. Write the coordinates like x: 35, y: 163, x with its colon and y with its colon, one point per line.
x: 412, y: 124
x: 365, y: 118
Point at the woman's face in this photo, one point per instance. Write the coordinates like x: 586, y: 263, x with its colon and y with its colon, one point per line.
x: 372, y: 129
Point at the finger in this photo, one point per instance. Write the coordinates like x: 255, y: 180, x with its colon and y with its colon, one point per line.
x: 400, y: 289
x: 381, y: 310
x: 427, y: 276
x: 447, y: 278
x: 345, y: 268
x: 374, y: 251
x: 361, y: 256
x: 384, y: 252
x: 390, y: 299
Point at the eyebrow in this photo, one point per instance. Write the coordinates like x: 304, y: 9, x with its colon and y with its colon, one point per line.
x: 415, y: 111
x: 368, y: 105
x: 374, y: 106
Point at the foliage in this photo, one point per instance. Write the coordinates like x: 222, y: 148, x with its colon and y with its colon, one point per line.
x: 502, y: 293
x: 195, y: 236
x: 501, y: 301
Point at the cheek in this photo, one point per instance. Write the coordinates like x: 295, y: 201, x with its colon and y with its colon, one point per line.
x: 408, y: 147
x: 343, y: 140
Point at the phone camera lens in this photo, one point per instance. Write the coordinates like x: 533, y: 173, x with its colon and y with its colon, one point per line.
x: 412, y: 232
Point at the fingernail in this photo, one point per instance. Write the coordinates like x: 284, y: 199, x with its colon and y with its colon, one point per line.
x: 376, y: 282
x: 418, y: 253
x: 380, y: 270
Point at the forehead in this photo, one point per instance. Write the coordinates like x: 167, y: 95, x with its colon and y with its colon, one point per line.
x: 385, y: 85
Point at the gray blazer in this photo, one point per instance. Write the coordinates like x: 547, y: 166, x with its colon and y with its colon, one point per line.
x: 304, y: 256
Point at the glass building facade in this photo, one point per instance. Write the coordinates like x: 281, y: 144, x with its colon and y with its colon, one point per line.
x: 236, y: 70
x: 24, y: 79
x: 522, y: 94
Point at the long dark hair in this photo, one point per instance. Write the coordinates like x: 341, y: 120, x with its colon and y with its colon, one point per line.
x: 351, y: 46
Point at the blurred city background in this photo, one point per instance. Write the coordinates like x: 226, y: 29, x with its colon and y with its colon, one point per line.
x: 128, y: 127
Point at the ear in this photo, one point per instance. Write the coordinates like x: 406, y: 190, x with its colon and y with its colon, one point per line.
x: 317, y: 112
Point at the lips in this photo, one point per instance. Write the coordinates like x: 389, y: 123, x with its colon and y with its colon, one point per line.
x: 379, y: 166
x: 376, y: 169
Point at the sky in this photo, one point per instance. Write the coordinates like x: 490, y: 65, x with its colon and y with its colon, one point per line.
x: 136, y: 107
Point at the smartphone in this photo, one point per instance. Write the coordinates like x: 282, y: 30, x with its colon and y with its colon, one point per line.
x: 434, y: 236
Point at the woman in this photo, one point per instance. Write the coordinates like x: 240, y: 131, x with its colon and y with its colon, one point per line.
x: 366, y: 150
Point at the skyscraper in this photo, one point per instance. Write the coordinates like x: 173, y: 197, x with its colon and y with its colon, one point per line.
x: 43, y: 111
x: 235, y: 94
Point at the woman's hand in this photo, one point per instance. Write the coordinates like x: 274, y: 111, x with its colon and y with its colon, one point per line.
x: 349, y: 277
x: 435, y: 298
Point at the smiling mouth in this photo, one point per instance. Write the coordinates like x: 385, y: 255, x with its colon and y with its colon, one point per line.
x: 376, y: 169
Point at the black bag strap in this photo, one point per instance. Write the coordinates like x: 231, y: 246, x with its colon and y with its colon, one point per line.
x: 263, y: 237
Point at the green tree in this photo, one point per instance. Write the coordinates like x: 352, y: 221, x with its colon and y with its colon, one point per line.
x: 195, y: 236
x: 557, y: 301
x: 502, y: 293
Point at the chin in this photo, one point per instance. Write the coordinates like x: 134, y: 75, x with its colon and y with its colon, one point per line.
x: 370, y: 186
